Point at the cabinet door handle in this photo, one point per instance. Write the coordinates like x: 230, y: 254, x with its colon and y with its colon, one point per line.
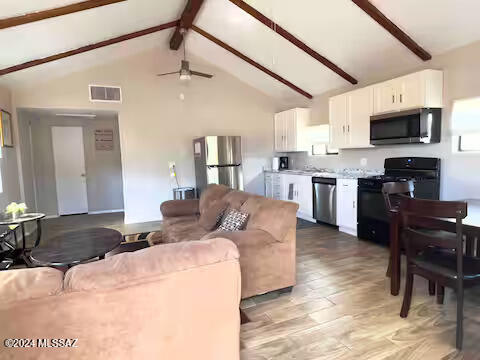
x: 401, y: 98
x: 393, y: 99
x: 343, y: 127
x: 348, y: 128
x: 354, y: 204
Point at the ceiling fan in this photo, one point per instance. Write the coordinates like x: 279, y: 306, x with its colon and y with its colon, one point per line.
x: 185, y: 72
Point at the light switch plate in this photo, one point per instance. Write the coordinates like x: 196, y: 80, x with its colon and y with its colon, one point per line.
x: 363, y: 161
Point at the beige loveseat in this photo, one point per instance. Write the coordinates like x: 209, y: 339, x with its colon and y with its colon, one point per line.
x: 178, y: 301
x: 266, y: 246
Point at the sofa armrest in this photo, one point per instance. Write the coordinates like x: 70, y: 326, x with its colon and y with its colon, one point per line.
x: 174, y: 208
x: 147, y: 264
x: 25, y: 284
x: 255, y: 237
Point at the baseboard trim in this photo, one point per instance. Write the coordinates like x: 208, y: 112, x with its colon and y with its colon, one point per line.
x: 105, y: 211
x: 306, y: 217
x: 348, y: 230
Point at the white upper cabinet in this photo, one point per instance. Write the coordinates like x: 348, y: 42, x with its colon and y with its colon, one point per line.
x: 350, y: 118
x: 291, y: 130
x: 417, y: 90
x: 359, y: 110
x: 350, y: 112
x: 338, y: 121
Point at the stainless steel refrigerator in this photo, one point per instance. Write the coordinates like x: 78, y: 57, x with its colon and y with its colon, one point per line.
x: 218, y: 160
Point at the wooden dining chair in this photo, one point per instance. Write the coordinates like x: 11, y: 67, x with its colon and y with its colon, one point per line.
x: 435, y: 250
x: 389, y: 190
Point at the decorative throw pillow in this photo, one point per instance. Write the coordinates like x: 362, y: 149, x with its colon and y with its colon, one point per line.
x: 211, y: 217
x: 233, y: 220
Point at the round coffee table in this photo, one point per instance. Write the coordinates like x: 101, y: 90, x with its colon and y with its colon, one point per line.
x: 76, y: 246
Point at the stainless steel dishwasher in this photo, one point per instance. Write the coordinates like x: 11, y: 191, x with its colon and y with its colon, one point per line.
x: 325, y: 200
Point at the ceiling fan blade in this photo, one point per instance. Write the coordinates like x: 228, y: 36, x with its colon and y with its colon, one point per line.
x: 201, y: 74
x: 169, y: 73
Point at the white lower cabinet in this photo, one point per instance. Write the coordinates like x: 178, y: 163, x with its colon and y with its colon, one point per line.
x: 291, y: 187
x: 274, y: 186
x: 347, y: 205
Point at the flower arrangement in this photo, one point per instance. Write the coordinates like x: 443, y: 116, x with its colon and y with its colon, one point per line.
x: 15, y: 209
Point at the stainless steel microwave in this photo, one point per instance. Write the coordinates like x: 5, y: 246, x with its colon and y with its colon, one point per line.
x: 417, y: 126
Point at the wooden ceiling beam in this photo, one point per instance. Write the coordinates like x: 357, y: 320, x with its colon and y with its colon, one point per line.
x: 393, y: 29
x: 50, y: 13
x: 90, y: 47
x: 250, y: 61
x: 186, y: 20
x: 294, y: 40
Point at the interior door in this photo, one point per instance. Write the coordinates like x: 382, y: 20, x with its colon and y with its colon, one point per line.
x: 360, y: 108
x: 338, y: 119
x: 70, y: 175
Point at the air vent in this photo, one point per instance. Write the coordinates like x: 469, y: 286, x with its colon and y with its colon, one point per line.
x: 105, y: 93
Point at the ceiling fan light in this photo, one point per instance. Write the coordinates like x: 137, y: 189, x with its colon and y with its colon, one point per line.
x: 185, y: 77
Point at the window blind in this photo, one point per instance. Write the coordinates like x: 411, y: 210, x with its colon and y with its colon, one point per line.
x: 466, y: 116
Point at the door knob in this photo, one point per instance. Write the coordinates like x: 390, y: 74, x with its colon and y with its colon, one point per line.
x: 83, y: 175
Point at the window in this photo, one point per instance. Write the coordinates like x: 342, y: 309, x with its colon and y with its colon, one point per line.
x: 469, y: 142
x: 323, y: 149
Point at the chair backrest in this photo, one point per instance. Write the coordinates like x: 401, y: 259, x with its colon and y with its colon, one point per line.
x: 396, y: 188
x: 422, y: 219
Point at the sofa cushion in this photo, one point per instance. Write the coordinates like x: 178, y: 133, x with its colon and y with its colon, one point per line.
x: 211, y: 194
x: 169, y: 221
x: 273, y: 216
x: 184, y: 231
x: 133, y: 267
x: 211, y: 217
x: 236, y: 199
x: 25, y: 284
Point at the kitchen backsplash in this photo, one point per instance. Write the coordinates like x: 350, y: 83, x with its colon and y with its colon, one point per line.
x: 364, y: 158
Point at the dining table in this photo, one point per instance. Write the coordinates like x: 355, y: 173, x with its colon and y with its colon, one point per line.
x: 471, y: 231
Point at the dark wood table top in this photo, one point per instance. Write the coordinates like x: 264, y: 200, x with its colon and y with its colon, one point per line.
x: 473, y: 213
x: 74, y: 247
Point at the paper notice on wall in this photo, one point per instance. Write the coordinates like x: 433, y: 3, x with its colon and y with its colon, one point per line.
x: 104, y: 139
x: 198, y: 149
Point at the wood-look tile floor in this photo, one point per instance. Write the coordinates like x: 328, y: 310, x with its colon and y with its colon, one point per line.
x: 341, y: 308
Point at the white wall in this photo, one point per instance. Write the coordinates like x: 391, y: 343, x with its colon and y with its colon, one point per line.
x: 103, y: 168
x: 460, y: 172
x: 157, y: 127
x: 8, y: 163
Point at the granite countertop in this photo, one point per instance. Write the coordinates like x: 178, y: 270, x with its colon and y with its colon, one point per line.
x: 330, y: 173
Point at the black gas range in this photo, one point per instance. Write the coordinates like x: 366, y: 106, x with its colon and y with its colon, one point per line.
x: 373, y: 221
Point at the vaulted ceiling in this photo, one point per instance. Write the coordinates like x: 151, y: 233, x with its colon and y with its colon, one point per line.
x: 337, y: 29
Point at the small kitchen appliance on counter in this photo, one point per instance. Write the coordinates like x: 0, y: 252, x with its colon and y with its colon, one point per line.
x: 283, y: 163
x: 275, y: 163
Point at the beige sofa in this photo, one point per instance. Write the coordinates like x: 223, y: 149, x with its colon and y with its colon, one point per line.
x: 178, y: 301
x: 266, y: 246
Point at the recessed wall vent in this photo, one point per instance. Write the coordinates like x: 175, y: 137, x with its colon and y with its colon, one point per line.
x: 100, y: 93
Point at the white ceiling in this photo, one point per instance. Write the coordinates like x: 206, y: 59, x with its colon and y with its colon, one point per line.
x: 337, y: 29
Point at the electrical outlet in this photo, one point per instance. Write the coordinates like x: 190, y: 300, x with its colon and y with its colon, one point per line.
x: 363, y: 162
